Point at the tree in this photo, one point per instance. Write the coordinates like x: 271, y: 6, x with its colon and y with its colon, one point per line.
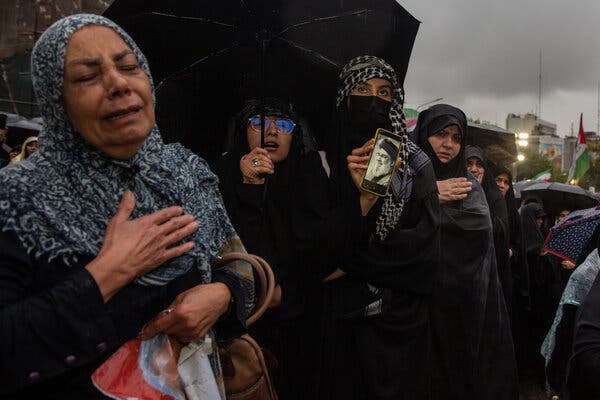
x: 558, y: 175
x: 533, y: 164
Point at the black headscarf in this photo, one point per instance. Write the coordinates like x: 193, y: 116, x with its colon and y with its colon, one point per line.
x: 532, y: 233
x: 488, y: 183
x: 509, y: 197
x: 430, y: 122
x: 277, y: 184
x: 519, y: 259
x: 500, y: 222
x: 469, y: 319
x: 272, y: 107
x: 267, y: 217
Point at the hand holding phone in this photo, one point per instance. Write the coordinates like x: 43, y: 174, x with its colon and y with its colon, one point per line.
x: 357, y: 165
x: 358, y: 161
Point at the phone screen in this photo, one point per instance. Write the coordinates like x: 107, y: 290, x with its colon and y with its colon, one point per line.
x: 380, y: 170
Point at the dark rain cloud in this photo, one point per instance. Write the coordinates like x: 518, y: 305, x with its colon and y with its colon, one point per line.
x: 486, y: 53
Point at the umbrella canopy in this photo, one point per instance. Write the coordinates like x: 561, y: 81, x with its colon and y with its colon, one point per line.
x: 25, y: 124
x: 211, y: 56
x: 498, y: 144
x: 12, y: 118
x: 20, y: 129
x: 568, y: 238
x: 518, y: 186
x: 522, y: 185
x: 556, y: 195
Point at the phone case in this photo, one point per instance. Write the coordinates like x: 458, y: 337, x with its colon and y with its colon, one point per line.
x: 370, y: 186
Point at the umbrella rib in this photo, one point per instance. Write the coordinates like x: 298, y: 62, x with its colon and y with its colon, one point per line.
x: 192, y: 65
x: 312, y: 52
x: 322, y: 19
x: 183, y: 17
x: 248, y: 10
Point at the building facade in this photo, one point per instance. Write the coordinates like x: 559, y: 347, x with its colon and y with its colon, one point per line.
x: 529, y: 123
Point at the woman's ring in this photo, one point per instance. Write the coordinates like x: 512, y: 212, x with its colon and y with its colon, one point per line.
x: 168, y: 310
x: 255, y: 162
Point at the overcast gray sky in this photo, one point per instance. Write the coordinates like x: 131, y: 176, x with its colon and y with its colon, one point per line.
x: 483, y: 56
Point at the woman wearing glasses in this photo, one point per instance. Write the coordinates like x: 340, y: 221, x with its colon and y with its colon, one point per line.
x: 273, y: 195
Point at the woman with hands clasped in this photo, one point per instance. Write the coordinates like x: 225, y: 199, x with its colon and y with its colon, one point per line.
x: 474, y: 351
x: 107, y: 229
x: 444, y: 147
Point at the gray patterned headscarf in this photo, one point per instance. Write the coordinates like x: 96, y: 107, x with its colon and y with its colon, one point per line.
x: 357, y: 71
x: 58, y: 202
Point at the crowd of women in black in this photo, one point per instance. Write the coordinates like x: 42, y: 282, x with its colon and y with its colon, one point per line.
x: 428, y: 292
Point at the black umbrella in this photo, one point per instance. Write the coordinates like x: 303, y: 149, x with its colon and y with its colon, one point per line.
x: 19, y: 130
x: 556, y: 195
x: 210, y: 56
x: 519, y: 186
x: 498, y: 144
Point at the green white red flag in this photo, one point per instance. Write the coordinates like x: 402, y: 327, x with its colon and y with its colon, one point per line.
x: 543, y: 176
x: 581, y: 158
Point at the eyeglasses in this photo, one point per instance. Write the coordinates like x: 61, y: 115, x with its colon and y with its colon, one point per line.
x: 282, y: 125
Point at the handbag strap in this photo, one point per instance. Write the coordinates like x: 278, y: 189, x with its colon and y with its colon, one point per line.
x: 263, y: 365
x: 264, y: 274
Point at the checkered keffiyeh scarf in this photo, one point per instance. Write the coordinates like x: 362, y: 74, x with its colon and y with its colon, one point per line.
x: 357, y: 71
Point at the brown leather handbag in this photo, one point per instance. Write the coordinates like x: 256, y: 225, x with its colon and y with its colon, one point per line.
x: 245, y: 372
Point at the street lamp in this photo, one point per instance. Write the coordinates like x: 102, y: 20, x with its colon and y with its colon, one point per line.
x: 521, y: 142
x: 520, y: 157
x: 522, y: 139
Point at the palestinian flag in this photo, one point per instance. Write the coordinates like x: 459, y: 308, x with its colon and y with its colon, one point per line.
x: 581, y: 158
x: 543, y: 176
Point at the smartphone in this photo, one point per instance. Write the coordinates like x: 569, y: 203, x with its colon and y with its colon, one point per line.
x: 378, y: 175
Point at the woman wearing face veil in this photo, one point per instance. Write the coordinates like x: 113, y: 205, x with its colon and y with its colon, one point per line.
x: 474, y: 357
x: 107, y: 234
x: 273, y: 213
x: 376, y: 316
